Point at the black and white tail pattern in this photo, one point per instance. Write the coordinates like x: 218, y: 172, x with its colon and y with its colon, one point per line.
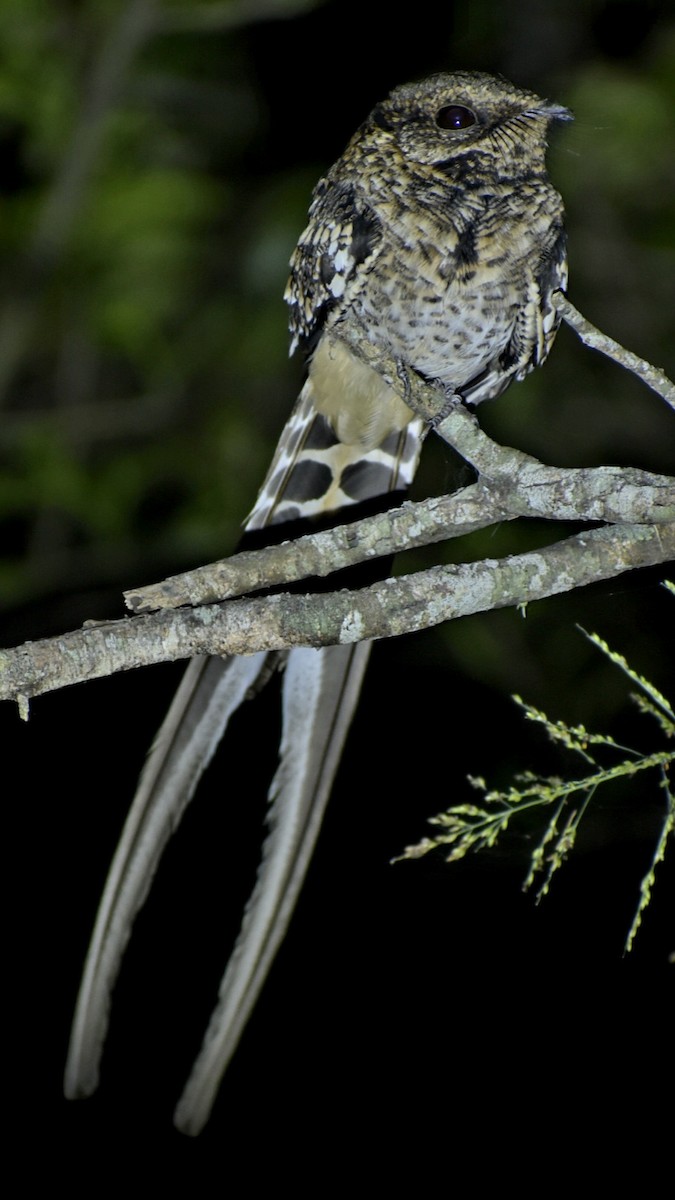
x: 320, y: 689
x: 313, y: 473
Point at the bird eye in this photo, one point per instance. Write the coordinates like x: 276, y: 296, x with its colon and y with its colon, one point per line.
x: 455, y: 116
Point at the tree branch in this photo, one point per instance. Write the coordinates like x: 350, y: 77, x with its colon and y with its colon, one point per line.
x: 611, y: 494
x: 512, y: 484
x: 390, y: 608
x: 590, y: 336
x: 640, y: 508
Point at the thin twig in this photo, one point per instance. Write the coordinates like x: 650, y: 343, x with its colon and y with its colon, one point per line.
x: 656, y: 379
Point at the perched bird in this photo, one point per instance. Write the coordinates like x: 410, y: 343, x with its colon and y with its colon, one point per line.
x: 437, y: 237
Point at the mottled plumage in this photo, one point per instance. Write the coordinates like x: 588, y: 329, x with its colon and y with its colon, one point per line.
x: 441, y: 242
x: 438, y: 237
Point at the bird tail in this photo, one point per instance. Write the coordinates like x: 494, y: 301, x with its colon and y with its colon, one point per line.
x: 212, y: 689
x: 312, y: 472
x: 320, y: 691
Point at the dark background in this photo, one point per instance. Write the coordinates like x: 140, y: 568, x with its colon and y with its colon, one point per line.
x: 416, y: 1011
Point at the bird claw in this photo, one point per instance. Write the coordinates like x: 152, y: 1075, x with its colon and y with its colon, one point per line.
x: 451, y: 397
x: 451, y: 401
x: 403, y: 374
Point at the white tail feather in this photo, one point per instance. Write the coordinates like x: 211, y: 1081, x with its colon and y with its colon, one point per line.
x: 321, y: 689
x: 211, y: 690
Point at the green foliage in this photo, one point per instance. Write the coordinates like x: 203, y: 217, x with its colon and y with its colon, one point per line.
x: 135, y: 253
x: 472, y: 827
x: 141, y: 316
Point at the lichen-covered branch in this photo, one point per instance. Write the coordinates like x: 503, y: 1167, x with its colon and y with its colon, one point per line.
x: 511, y: 484
x: 390, y: 608
x: 609, y: 494
x: 639, y: 509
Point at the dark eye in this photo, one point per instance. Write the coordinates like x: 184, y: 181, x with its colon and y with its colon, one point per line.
x: 455, y: 116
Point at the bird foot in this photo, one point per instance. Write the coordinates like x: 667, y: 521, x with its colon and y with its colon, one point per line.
x: 451, y: 400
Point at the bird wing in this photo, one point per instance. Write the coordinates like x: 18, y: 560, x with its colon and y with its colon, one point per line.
x: 331, y: 260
